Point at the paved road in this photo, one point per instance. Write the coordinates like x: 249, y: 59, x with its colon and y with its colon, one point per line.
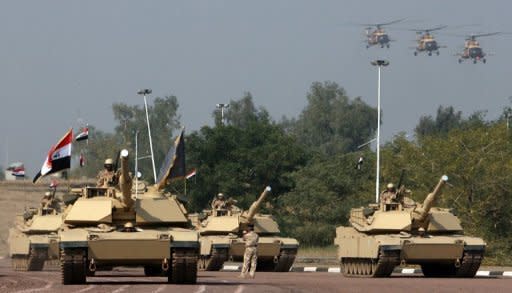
x: 132, y: 280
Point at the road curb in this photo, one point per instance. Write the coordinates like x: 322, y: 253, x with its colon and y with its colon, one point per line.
x: 402, y: 271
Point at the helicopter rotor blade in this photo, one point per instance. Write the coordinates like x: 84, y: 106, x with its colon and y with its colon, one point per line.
x: 483, y: 35
x: 382, y: 24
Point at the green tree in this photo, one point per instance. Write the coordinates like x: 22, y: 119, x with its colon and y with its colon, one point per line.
x: 2, y: 173
x: 163, y: 119
x: 324, y: 191
x: 332, y: 123
x: 241, y: 159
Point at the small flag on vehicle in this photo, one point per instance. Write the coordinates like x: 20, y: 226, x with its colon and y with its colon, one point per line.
x: 58, y: 158
x: 83, y: 135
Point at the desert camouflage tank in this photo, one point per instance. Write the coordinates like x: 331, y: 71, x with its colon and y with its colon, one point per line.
x: 108, y: 227
x: 402, y: 232
x: 34, y: 241
x: 221, y: 238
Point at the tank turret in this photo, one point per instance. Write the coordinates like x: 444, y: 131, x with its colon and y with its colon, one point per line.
x: 125, y: 181
x: 421, y: 214
x: 255, y: 206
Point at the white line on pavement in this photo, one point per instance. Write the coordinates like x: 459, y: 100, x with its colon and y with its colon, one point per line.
x: 333, y: 270
x: 407, y: 271
x: 310, y: 269
x: 239, y: 289
x: 121, y: 289
x: 159, y: 289
x: 90, y: 287
x: 47, y: 287
x: 483, y: 273
x: 201, y: 289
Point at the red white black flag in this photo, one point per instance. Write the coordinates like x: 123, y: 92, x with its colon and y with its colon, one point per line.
x: 83, y: 135
x: 59, y: 157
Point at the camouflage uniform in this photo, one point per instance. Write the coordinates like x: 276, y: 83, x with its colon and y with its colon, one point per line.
x: 251, y: 253
x: 105, y: 178
x: 388, y: 195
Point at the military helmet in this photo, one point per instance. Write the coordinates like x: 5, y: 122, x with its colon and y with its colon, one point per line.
x: 390, y: 186
x: 220, y: 195
x: 128, y: 225
x: 47, y: 194
x: 109, y: 161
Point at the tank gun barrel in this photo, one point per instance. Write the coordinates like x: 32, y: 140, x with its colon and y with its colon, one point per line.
x: 125, y: 181
x: 429, y: 200
x: 256, y: 205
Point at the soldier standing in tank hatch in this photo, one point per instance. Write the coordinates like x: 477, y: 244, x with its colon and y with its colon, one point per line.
x: 251, y: 252
x: 106, y: 176
x: 388, y: 195
x: 219, y: 202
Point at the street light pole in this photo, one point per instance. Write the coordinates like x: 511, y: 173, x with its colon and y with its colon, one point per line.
x: 145, y: 92
x: 222, y: 107
x: 379, y: 64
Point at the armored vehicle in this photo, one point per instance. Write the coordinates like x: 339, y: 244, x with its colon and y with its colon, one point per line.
x: 401, y: 232
x: 34, y: 241
x: 221, y: 238
x: 106, y: 227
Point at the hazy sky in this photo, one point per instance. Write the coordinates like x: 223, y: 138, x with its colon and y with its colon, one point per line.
x: 64, y: 60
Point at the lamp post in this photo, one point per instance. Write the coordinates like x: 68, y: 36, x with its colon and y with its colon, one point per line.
x: 222, y: 107
x: 379, y: 64
x: 145, y: 92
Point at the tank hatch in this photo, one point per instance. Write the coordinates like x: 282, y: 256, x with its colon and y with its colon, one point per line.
x: 158, y: 210
x: 224, y: 224
x: 443, y: 222
x: 47, y: 223
x: 264, y: 224
x: 95, y: 210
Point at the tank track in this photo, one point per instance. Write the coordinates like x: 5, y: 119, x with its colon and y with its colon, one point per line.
x: 370, y: 267
x: 183, y: 268
x: 73, y: 265
x: 285, y: 260
x: 468, y: 267
x: 215, y: 262
x: 34, y: 261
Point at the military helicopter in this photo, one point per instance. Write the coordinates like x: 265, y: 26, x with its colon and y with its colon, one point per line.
x: 426, y: 41
x: 472, y: 49
x: 378, y: 36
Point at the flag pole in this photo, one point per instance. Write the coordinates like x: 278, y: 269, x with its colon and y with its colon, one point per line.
x: 185, y: 185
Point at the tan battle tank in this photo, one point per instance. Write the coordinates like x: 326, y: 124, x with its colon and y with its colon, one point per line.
x: 34, y: 241
x: 106, y: 227
x: 401, y: 232
x: 221, y: 238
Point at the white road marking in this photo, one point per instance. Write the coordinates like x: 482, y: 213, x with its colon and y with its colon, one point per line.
x: 507, y: 274
x: 231, y: 268
x: 309, y: 269
x: 407, y: 271
x: 159, y: 289
x: 47, y: 287
x: 483, y: 273
x: 239, y: 289
x: 121, y: 289
x: 90, y: 287
x: 201, y: 289
x: 334, y: 270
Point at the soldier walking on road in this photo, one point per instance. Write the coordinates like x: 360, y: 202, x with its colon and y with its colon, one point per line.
x: 251, y: 252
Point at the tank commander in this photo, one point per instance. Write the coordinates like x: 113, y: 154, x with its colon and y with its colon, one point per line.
x: 46, y: 200
x: 219, y: 202
x: 106, y: 177
x: 388, y: 195
x: 251, y: 252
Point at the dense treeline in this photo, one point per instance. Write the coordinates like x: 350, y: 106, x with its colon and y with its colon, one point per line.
x: 310, y: 161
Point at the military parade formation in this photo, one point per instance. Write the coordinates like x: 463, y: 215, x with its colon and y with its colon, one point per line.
x: 122, y: 223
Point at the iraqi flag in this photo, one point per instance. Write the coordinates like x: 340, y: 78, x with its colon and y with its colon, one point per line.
x: 19, y: 171
x: 83, y: 135
x: 59, y: 157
